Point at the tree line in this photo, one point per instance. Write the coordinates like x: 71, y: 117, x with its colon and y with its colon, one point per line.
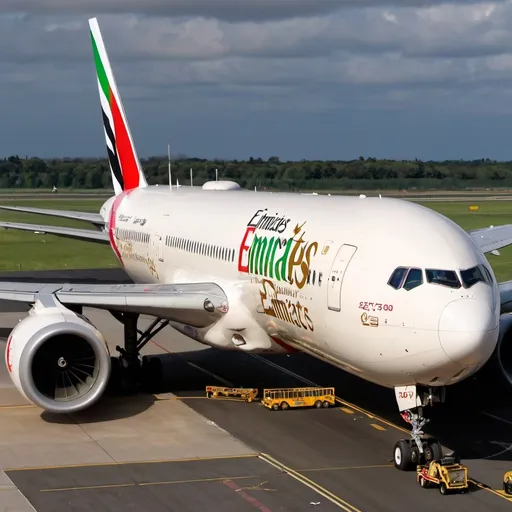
x: 270, y: 174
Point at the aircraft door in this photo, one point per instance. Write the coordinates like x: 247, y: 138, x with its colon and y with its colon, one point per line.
x: 158, y: 245
x: 336, y: 275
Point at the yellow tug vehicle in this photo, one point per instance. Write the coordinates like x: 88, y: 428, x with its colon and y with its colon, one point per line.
x: 507, y: 482
x: 446, y: 473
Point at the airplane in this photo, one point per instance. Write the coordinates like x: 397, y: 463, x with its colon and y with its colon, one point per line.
x: 384, y: 289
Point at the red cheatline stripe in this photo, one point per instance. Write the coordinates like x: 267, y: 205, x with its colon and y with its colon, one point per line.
x: 112, y: 223
x: 124, y: 147
x: 284, y: 345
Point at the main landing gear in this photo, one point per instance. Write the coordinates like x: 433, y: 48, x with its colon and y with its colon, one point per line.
x: 131, y: 372
x: 418, y: 450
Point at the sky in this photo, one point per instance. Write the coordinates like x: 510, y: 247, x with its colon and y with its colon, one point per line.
x: 297, y: 79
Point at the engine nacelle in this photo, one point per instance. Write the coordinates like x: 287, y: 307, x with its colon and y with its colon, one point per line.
x: 503, y: 352
x: 493, y: 382
x: 57, y: 359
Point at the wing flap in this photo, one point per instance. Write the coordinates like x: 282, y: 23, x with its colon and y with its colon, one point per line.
x: 492, y: 238
x: 196, y: 304
x: 89, y: 235
x: 94, y: 218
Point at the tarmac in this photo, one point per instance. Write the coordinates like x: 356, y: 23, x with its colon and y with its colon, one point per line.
x: 180, y: 451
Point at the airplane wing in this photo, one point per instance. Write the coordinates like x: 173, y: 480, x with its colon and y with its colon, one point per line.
x: 492, y: 238
x: 89, y: 235
x: 94, y: 218
x: 195, y: 304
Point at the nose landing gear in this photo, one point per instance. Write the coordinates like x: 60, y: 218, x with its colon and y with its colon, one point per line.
x: 419, y: 450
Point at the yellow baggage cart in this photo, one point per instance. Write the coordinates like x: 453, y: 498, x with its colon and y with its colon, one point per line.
x: 247, y: 394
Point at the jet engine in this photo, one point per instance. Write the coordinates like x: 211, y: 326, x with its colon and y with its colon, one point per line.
x: 503, y: 352
x: 493, y: 382
x: 57, y: 359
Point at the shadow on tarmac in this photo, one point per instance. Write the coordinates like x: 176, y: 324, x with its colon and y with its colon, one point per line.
x: 459, y: 423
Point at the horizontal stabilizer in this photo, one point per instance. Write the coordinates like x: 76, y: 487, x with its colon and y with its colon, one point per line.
x: 89, y: 235
x: 94, y: 218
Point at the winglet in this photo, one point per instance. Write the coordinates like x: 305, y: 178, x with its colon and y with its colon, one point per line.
x: 124, y: 163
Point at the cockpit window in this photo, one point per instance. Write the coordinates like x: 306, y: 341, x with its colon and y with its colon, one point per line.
x: 488, y: 274
x: 471, y: 276
x: 396, y: 278
x: 443, y: 277
x: 414, y: 278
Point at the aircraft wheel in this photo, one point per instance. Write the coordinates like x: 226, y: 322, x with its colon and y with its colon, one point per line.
x: 403, y: 456
x: 152, y: 374
x: 432, y: 450
x: 115, y: 382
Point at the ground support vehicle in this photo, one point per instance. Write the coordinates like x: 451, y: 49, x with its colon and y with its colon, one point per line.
x: 447, y: 473
x: 247, y: 394
x: 284, y: 398
x: 507, y: 482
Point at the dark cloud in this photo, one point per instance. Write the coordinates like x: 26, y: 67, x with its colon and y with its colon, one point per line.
x: 232, y: 10
x: 248, y: 66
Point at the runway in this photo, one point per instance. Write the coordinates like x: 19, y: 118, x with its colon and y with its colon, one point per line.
x: 244, y: 457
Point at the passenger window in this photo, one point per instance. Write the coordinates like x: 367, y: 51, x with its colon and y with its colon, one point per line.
x: 414, y: 279
x: 396, y: 278
x: 443, y: 277
x: 471, y: 276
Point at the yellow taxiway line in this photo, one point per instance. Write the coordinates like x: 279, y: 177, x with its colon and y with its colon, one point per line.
x: 333, y: 498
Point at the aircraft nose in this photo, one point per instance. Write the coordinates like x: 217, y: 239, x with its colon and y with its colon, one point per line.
x: 468, y: 331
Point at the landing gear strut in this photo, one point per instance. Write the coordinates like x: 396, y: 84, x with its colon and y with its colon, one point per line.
x: 409, y: 453
x: 131, y: 372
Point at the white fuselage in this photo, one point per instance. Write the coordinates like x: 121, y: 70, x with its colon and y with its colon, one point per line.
x: 311, y: 273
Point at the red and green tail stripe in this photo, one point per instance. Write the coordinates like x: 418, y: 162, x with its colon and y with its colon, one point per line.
x: 122, y: 158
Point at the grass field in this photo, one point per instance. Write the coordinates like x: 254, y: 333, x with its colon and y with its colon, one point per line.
x: 27, y: 251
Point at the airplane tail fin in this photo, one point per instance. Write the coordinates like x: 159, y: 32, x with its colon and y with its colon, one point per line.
x: 124, y: 163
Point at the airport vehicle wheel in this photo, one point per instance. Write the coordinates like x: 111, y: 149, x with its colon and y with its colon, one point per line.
x: 403, y: 455
x: 326, y: 404
x: 152, y: 374
x: 284, y: 406
x: 424, y: 483
x: 318, y: 404
x: 275, y: 407
x: 443, y: 489
x: 432, y: 450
